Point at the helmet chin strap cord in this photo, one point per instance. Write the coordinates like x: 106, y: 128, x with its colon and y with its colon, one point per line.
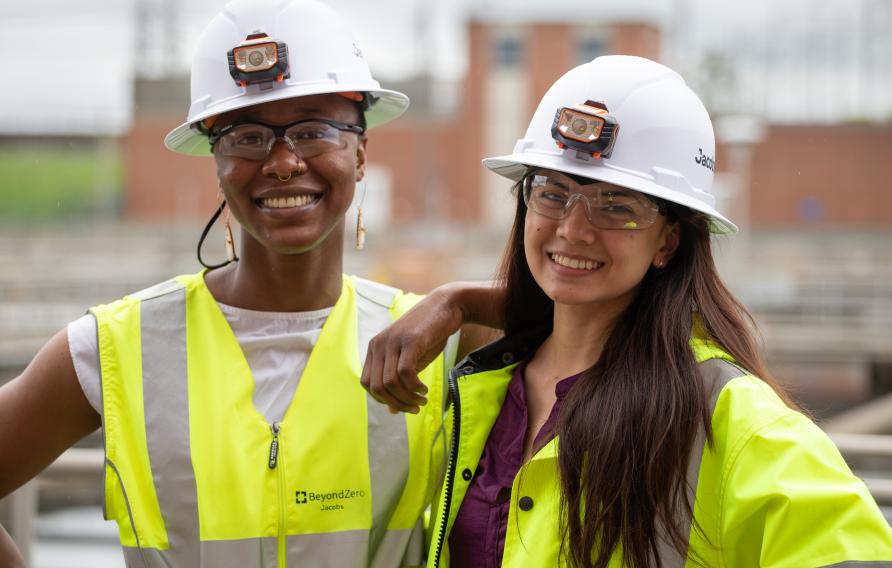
x: 204, y: 234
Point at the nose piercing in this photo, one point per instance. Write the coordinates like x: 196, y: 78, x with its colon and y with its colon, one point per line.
x: 300, y: 169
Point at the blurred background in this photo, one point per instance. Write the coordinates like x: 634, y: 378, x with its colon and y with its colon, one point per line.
x: 94, y: 207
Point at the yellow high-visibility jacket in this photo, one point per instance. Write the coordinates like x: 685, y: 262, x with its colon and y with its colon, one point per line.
x: 772, y: 491
x: 196, y: 477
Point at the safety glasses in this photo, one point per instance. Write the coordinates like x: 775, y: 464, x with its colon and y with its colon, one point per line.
x: 552, y: 194
x: 306, y: 138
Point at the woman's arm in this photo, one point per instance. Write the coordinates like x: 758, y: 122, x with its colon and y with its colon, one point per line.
x: 789, y: 499
x: 411, y: 343
x: 43, y: 412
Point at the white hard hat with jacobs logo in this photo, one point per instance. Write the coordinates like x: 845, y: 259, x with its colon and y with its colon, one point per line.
x: 627, y: 121
x: 257, y: 51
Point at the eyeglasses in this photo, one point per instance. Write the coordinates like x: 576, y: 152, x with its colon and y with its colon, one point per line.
x: 553, y: 194
x: 306, y: 138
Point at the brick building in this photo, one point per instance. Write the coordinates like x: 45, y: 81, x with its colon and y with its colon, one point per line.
x: 425, y: 167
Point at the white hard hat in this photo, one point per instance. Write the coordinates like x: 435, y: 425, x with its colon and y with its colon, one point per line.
x: 322, y: 58
x: 664, y: 145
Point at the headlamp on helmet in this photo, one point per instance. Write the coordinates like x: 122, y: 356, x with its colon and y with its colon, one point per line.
x: 587, y: 128
x: 259, y: 59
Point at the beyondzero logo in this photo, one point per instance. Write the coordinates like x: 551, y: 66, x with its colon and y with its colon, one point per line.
x: 329, y: 501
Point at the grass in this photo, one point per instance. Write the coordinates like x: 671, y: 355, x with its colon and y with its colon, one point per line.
x: 56, y: 183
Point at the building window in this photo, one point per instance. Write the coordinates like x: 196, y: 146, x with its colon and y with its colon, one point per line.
x: 588, y: 48
x: 507, y: 52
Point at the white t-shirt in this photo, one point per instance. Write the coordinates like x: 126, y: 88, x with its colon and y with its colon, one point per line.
x: 277, y: 346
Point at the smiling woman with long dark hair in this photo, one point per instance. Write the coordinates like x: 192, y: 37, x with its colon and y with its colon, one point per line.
x: 627, y: 417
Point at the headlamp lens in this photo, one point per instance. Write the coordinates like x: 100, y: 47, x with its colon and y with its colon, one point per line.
x: 258, y: 57
x: 579, y: 126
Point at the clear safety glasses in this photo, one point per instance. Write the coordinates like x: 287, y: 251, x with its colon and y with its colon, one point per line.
x: 552, y: 194
x: 306, y: 138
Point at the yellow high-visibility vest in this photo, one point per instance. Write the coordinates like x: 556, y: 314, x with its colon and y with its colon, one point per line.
x: 196, y: 477
x: 772, y: 491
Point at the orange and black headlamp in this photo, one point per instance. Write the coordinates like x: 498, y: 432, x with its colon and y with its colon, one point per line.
x: 587, y: 128
x: 258, y: 59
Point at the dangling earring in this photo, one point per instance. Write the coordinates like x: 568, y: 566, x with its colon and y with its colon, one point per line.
x: 230, y: 243
x: 360, y: 228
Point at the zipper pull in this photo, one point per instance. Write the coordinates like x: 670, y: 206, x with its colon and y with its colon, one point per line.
x: 274, y: 446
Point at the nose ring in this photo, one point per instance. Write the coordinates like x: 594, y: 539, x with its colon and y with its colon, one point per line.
x: 301, y: 169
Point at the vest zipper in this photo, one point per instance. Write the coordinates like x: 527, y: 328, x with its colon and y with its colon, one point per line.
x: 450, y: 468
x: 274, y: 446
x: 280, y: 480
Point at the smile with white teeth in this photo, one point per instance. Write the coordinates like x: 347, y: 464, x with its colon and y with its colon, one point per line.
x: 285, y: 202
x: 576, y: 263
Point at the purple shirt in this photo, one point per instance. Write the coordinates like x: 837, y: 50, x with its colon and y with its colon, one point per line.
x: 477, y: 539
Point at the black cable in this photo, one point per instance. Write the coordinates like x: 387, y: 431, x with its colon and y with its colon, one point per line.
x: 204, y: 234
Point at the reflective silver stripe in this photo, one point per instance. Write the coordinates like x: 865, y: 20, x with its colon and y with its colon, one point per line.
x: 387, y: 434
x: 244, y: 553
x: 344, y: 549
x: 247, y: 553
x: 145, y: 558
x: 716, y: 373
x: 405, y: 544
x: 166, y: 400
x: 322, y: 550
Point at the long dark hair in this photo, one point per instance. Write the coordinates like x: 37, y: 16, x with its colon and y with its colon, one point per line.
x: 627, y: 427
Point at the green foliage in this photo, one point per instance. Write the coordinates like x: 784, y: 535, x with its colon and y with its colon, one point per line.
x: 46, y: 184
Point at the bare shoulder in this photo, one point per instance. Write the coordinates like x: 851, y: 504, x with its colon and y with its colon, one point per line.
x: 43, y: 412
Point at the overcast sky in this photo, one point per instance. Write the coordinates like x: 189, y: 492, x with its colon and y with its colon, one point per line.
x: 72, y: 62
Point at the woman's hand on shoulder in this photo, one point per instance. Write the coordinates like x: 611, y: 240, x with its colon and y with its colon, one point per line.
x: 396, y: 355
x: 43, y: 412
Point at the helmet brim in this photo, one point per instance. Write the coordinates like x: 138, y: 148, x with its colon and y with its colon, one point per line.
x: 513, y: 167
x: 388, y: 105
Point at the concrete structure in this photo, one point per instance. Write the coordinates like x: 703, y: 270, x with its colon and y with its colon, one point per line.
x: 430, y: 159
